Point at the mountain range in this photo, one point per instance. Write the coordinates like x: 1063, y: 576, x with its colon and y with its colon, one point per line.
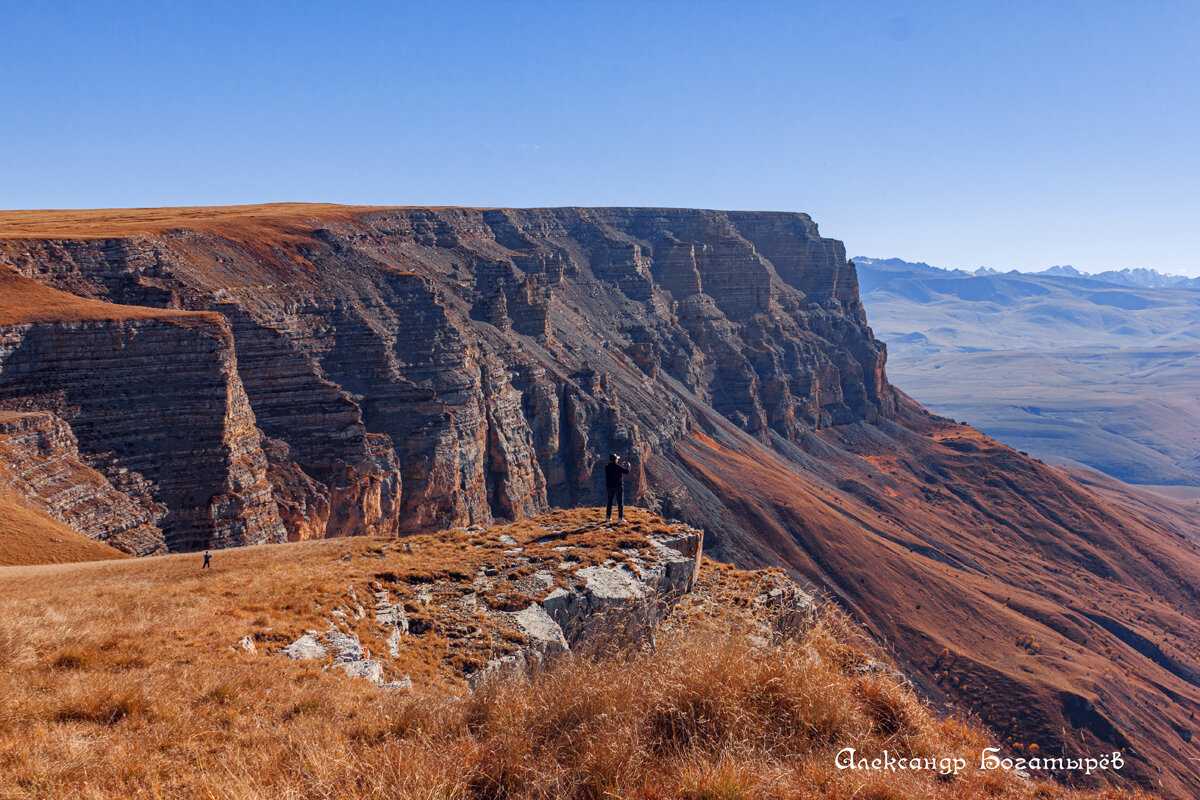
x: 1071, y: 368
x: 1137, y: 276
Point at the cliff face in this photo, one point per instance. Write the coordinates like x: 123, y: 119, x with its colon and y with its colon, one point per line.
x: 313, y: 372
x: 39, y: 461
x: 425, y: 367
x: 154, y: 402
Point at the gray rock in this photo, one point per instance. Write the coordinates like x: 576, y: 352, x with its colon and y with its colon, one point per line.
x: 367, y: 668
x: 390, y: 615
x: 558, y: 602
x: 499, y: 667
x: 791, y: 611
x: 543, y: 632
x: 393, y: 642
x: 247, y: 645
x: 609, y: 584
x: 404, y: 683
x: 346, y: 647
x: 620, y: 605
x: 305, y: 648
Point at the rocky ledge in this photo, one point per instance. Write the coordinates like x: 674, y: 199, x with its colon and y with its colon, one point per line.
x: 483, y: 601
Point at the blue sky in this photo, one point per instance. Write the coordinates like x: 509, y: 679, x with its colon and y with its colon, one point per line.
x: 1014, y: 134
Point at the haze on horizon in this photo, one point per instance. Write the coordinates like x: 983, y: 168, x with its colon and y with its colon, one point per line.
x: 1019, y: 135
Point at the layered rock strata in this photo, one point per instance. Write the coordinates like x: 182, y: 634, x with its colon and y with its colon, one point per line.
x: 431, y: 367
x: 39, y: 461
x: 154, y: 402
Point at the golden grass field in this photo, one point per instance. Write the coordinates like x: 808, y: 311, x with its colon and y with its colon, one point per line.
x: 233, y: 221
x: 119, y: 681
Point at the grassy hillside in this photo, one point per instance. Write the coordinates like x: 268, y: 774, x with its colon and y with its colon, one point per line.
x: 120, y: 680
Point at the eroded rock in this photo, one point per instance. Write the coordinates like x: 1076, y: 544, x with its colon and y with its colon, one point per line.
x: 471, y: 336
x: 346, y: 650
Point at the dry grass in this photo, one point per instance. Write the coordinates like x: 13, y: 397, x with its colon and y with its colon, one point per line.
x: 25, y: 301
x: 237, y: 222
x: 30, y: 536
x: 119, y: 681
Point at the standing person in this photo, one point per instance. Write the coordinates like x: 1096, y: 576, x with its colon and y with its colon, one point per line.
x: 614, y: 480
x: 207, y: 558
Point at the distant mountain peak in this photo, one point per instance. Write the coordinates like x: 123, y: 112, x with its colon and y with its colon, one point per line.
x: 1139, y: 277
x: 1065, y: 270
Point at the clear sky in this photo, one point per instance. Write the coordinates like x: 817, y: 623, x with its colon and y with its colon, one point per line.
x: 1009, y: 134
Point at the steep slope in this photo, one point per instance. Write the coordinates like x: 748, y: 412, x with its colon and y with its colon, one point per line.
x: 1078, y: 370
x: 410, y: 368
x: 429, y: 333
x: 154, y: 401
x: 30, y: 536
x: 39, y: 461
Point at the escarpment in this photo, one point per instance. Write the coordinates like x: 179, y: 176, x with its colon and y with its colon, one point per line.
x: 39, y: 462
x: 302, y: 372
x: 434, y: 367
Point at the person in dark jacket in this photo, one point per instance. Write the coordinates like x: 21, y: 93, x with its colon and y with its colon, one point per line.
x: 207, y: 558
x: 614, y: 480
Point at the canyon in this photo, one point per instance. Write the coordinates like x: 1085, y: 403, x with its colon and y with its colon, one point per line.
x: 252, y: 375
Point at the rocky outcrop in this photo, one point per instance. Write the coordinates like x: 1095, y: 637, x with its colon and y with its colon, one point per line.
x: 155, y: 404
x: 514, y: 597
x: 346, y: 651
x: 619, y: 605
x: 39, y: 460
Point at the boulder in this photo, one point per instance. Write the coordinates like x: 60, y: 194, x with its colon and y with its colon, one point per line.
x: 306, y: 648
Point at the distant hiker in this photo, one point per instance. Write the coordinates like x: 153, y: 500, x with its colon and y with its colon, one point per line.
x: 207, y: 558
x: 614, y: 477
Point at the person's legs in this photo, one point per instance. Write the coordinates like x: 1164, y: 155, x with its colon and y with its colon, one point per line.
x: 608, y: 511
x: 621, y: 503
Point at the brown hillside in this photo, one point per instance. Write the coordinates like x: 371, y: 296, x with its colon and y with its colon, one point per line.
x: 25, y: 301
x: 120, y: 680
x: 1017, y: 594
x: 284, y: 220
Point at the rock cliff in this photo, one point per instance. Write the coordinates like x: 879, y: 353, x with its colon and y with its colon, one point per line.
x: 422, y: 367
x: 155, y: 404
x: 308, y: 372
x: 39, y: 460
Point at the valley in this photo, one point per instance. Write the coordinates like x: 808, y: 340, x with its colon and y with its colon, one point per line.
x: 1069, y: 368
